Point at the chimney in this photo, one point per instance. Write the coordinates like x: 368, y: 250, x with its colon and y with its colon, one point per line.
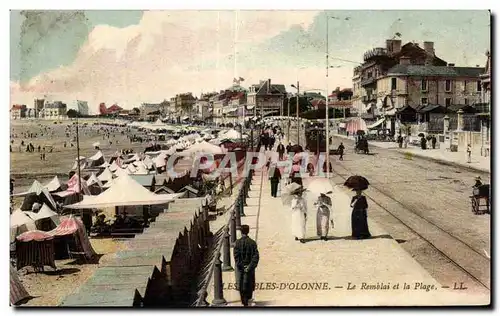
x: 451, y: 65
x: 429, y: 48
x: 403, y: 60
x: 268, y: 85
x: 477, y: 66
x: 393, y: 46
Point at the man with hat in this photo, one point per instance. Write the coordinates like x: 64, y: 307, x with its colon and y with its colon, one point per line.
x: 246, y: 257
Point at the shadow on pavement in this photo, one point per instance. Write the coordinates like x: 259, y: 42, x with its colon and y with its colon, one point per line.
x: 385, y: 236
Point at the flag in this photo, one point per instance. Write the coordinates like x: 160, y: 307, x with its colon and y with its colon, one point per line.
x: 235, y: 80
x: 241, y: 79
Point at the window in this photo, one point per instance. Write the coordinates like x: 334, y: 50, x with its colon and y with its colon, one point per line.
x: 466, y: 101
x: 447, y: 101
x: 479, y: 86
x: 393, y: 84
x: 465, y: 86
x: 424, y: 85
x: 424, y: 101
x: 447, y: 85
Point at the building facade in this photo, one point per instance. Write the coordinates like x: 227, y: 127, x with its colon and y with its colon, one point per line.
x: 266, y: 98
x: 397, y: 76
x: 55, y: 110
x: 81, y: 107
x: 18, y: 111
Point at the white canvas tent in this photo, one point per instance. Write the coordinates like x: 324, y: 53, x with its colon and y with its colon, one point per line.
x: 141, y: 169
x: 203, y: 147
x: 20, y: 222
x: 37, y: 188
x: 98, y: 155
x: 53, y: 185
x: 46, y: 212
x: 94, y: 180
x: 106, y: 175
x: 124, y: 191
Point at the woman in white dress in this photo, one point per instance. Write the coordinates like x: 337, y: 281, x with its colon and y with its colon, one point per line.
x: 299, y: 215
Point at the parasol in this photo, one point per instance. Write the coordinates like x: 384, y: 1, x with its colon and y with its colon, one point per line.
x: 320, y: 186
x: 288, y: 192
x: 34, y: 235
x: 357, y: 183
x: 421, y: 135
x: 96, y: 144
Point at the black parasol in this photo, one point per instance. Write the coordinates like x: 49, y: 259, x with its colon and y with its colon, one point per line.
x: 421, y: 135
x: 357, y: 183
x: 360, y: 132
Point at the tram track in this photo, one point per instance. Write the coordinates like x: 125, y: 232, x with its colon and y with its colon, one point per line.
x: 461, y: 254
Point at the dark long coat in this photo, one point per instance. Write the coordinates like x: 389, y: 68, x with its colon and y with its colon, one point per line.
x: 246, y: 254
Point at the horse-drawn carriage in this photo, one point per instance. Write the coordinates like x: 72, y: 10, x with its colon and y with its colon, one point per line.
x: 480, y: 199
x: 361, y: 146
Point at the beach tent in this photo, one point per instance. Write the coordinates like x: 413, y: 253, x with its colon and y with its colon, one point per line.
x: 83, y: 163
x: 141, y: 169
x: 96, y: 160
x: 121, y: 172
x: 203, y: 147
x: 17, y: 291
x: 74, y: 228
x: 46, y: 219
x: 125, y: 191
x: 105, y: 176
x: 35, y: 248
x: 37, y: 193
x: 94, y: 180
x: 20, y: 222
x: 55, y: 185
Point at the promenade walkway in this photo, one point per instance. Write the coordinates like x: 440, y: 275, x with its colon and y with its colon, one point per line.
x: 336, y: 272
x: 442, y: 155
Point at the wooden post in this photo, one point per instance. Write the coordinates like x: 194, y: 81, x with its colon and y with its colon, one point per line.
x: 218, y: 290
x: 232, y: 228
x: 237, y: 214
x: 226, y: 251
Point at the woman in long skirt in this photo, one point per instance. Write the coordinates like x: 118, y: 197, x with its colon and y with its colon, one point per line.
x: 323, y: 216
x: 299, y: 216
x: 359, y: 221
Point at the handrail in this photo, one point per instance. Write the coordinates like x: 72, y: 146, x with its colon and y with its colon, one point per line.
x: 202, y: 292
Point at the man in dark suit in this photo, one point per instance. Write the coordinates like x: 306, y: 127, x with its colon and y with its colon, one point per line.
x: 246, y: 257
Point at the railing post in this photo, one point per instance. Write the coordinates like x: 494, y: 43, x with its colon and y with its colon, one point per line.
x: 226, y: 251
x: 242, y: 203
x: 249, y: 182
x: 218, y: 290
x: 237, y: 214
x: 247, y: 188
x: 232, y: 228
x: 243, y: 196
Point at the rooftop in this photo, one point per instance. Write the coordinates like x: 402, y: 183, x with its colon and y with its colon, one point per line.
x: 445, y: 71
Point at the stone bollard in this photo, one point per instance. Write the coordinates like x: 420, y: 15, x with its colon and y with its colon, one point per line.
x: 218, y: 290
x: 226, y: 251
x: 232, y: 228
x: 237, y: 214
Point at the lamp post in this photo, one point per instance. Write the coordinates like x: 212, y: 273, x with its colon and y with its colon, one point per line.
x: 297, y: 111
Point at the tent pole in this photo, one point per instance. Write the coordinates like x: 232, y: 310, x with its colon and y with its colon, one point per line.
x: 78, y: 163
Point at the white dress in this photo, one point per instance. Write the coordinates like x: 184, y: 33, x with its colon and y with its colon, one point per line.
x: 299, y: 213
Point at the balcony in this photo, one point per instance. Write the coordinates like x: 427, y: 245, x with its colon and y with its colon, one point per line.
x: 368, y: 81
x: 376, y: 52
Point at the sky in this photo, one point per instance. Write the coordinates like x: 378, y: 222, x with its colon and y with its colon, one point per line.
x: 130, y: 57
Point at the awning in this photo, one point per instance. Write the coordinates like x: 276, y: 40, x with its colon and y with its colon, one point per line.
x: 377, y: 123
x: 185, y: 118
x: 342, y: 125
x: 249, y: 107
x: 229, y: 110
